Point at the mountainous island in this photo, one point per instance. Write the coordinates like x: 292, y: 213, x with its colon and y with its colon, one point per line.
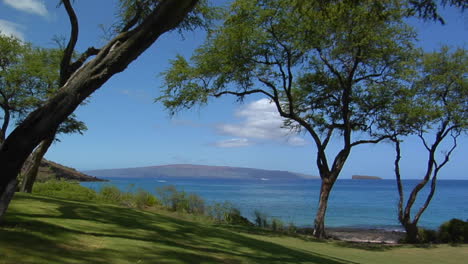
x: 364, y: 177
x: 198, y: 171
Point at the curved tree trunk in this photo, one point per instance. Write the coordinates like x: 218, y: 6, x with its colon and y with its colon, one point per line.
x: 36, y: 158
x: 111, y: 59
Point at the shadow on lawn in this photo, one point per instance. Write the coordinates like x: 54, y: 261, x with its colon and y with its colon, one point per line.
x: 56, y: 238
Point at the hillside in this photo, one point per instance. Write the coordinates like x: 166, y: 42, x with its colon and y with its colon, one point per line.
x: 198, y: 171
x: 51, y: 170
x: 45, y: 230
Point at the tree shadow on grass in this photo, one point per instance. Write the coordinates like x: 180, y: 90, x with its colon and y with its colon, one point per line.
x: 56, y: 238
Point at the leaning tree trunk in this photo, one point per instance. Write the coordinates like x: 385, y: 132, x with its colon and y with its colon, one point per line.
x: 319, y: 222
x: 30, y: 175
x: 113, y: 58
x: 7, y: 195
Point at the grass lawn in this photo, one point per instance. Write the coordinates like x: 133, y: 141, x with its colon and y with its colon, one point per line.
x: 40, y: 229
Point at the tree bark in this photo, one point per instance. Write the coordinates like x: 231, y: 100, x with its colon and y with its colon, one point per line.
x: 37, y: 156
x: 6, y: 196
x: 412, y: 234
x: 111, y: 59
x: 319, y: 222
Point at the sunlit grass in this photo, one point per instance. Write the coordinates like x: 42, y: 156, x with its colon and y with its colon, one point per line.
x: 39, y: 229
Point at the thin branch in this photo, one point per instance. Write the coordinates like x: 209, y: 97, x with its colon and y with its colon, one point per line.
x: 68, y: 52
x: 370, y: 141
x: 447, y: 155
x: 329, y: 66
x: 241, y: 94
x: 328, y: 136
x: 398, y: 178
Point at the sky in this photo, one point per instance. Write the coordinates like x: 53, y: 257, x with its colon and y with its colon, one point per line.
x: 127, y: 129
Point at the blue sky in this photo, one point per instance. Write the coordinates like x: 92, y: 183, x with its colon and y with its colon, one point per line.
x: 127, y: 129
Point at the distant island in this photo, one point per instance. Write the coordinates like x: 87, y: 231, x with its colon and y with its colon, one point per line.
x: 198, y: 171
x: 364, y: 177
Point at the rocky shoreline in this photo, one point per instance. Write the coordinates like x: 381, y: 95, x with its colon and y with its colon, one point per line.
x: 366, y: 235
x: 361, y: 235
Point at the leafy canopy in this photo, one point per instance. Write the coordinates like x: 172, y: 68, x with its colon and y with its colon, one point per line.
x: 319, y: 62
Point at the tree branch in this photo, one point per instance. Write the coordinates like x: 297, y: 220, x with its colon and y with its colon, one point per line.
x: 370, y: 141
x: 241, y: 94
x: 91, y: 51
x: 68, y: 52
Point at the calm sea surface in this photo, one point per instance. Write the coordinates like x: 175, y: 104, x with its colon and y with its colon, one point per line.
x: 353, y: 203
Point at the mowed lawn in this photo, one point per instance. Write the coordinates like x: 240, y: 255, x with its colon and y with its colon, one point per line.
x: 40, y: 229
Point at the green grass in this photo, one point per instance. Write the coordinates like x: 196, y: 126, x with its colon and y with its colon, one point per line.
x: 40, y: 229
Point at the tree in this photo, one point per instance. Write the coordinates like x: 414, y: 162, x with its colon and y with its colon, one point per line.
x: 435, y: 108
x: 17, y: 88
x: 319, y: 62
x: 29, y: 76
x: 144, y: 22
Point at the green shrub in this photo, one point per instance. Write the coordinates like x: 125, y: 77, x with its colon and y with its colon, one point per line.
x: 427, y: 235
x: 454, y: 231
x: 64, y: 189
x: 292, y: 229
x: 196, y: 204
x: 110, y: 194
x: 277, y: 225
x: 261, y: 219
x: 144, y: 199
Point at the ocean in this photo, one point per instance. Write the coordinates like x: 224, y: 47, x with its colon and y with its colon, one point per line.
x: 353, y: 203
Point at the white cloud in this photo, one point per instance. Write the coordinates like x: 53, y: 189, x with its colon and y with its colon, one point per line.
x: 36, y: 7
x: 8, y: 28
x: 233, y: 143
x: 261, y: 121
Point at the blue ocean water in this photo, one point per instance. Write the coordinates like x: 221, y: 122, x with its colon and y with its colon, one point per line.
x: 353, y: 203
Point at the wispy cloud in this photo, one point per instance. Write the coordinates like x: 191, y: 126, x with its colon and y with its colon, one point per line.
x: 8, y: 28
x: 233, y: 143
x: 260, y: 120
x: 36, y: 7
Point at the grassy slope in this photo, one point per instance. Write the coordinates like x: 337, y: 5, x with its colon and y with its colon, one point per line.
x: 47, y: 230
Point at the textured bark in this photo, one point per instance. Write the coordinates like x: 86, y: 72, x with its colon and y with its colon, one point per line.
x: 31, y: 173
x: 319, y: 222
x: 6, y: 196
x: 111, y: 59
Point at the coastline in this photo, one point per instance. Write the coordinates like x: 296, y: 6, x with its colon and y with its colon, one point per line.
x: 361, y: 235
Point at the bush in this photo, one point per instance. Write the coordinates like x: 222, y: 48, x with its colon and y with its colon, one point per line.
x: 64, y: 189
x: 144, y: 199
x: 427, y: 235
x: 277, y: 225
x: 180, y: 201
x: 292, y: 229
x: 111, y: 194
x: 261, y: 219
x: 454, y: 231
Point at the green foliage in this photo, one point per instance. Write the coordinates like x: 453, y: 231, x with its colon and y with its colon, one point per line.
x: 454, y: 231
x: 180, y: 201
x: 65, y: 189
x: 133, y: 12
x: 261, y: 219
x: 110, y: 194
x: 277, y: 225
x: 144, y: 199
x: 427, y: 235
